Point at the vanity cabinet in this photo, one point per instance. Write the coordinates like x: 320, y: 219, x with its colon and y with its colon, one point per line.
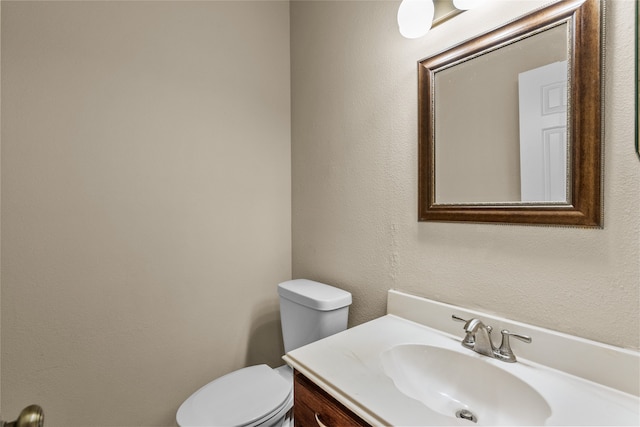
x: 315, y: 407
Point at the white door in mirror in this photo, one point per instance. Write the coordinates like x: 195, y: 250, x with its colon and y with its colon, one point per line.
x: 543, y: 133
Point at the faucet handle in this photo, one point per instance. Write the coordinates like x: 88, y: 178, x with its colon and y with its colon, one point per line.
x: 468, y: 341
x: 466, y: 322
x: 458, y: 319
x: 505, y: 353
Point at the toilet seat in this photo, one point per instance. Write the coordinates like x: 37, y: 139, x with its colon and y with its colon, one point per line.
x: 246, y: 397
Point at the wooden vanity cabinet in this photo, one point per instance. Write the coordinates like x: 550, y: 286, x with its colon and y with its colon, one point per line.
x: 314, y: 407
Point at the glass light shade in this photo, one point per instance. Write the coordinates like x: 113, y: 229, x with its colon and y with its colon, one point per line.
x: 415, y: 17
x: 467, y: 4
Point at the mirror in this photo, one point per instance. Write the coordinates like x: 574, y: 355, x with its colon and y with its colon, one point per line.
x: 510, y: 122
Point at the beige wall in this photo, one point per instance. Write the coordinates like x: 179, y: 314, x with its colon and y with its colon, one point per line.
x: 354, y: 147
x: 0, y: 213
x: 146, y: 202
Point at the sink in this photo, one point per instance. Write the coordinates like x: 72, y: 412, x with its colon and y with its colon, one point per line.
x: 412, y: 370
x: 466, y: 387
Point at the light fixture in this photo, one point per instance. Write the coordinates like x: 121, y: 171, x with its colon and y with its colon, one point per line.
x: 415, y: 17
x: 467, y: 4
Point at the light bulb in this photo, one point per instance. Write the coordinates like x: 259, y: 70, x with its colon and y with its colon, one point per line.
x: 467, y: 4
x: 415, y: 17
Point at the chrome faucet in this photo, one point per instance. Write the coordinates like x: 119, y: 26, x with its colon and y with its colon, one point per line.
x: 482, y: 337
x: 478, y: 338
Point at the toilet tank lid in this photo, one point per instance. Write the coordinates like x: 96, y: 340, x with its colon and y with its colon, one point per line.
x: 314, y: 295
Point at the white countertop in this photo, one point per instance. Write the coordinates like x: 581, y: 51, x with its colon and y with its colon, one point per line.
x: 349, y: 367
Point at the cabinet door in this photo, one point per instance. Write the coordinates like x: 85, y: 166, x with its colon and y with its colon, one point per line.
x: 314, y: 407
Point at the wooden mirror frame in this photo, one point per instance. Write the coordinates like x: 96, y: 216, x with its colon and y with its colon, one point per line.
x: 585, y: 127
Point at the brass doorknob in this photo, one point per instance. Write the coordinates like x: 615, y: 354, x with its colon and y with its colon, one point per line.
x: 31, y: 416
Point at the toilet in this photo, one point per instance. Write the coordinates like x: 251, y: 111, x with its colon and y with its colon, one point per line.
x: 260, y: 395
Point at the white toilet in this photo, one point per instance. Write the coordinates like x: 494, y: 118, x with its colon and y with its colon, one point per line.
x: 259, y: 395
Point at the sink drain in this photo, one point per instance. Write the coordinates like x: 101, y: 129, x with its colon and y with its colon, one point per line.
x: 466, y: 415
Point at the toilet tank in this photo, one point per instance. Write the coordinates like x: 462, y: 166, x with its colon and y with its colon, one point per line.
x: 310, y: 311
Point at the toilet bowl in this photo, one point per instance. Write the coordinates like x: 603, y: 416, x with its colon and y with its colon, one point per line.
x: 253, y: 396
x: 260, y: 395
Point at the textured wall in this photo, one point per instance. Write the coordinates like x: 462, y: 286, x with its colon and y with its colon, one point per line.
x: 354, y: 147
x: 146, y: 202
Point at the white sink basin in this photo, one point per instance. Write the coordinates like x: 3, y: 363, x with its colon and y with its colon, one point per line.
x: 465, y: 386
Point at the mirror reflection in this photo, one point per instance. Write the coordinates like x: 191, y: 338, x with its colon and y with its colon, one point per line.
x: 501, y: 123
